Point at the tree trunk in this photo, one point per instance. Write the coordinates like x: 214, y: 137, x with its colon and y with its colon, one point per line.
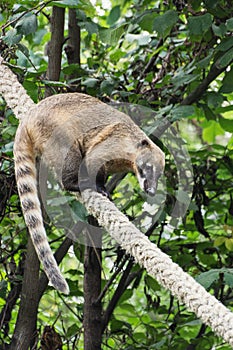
x: 73, y: 47
x: 25, y: 329
x: 72, y: 51
x: 92, y: 288
x: 55, y: 46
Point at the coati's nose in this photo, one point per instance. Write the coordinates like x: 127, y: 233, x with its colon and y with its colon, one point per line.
x: 151, y: 191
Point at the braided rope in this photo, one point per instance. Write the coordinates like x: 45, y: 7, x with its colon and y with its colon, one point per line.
x: 13, y: 92
x: 160, y: 266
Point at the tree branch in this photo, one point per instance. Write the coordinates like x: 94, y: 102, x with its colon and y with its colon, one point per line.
x: 196, y: 94
x: 116, y: 296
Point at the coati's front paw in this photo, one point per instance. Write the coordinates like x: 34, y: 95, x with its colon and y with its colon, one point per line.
x: 103, y: 191
x: 86, y: 184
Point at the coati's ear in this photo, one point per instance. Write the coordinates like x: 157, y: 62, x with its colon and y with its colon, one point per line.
x: 143, y: 143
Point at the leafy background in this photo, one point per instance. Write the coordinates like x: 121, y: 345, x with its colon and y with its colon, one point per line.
x: 175, y: 58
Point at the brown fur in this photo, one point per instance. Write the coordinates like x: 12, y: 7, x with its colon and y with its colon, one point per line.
x: 74, y: 132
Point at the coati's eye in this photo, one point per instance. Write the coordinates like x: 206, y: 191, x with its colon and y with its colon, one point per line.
x: 144, y: 143
x: 140, y: 171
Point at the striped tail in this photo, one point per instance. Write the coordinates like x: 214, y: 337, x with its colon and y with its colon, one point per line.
x: 25, y: 170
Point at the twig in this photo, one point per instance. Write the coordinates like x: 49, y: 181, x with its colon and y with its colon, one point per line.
x: 196, y: 94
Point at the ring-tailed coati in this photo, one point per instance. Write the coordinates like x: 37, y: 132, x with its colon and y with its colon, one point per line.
x: 83, y: 140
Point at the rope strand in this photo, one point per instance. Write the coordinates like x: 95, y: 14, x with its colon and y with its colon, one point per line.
x: 13, y: 92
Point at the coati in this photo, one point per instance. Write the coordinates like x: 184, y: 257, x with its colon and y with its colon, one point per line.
x: 83, y: 140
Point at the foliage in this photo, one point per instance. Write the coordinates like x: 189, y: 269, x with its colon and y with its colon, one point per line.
x: 174, y: 60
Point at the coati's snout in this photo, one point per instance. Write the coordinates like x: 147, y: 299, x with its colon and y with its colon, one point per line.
x: 149, y: 167
x: 148, y: 177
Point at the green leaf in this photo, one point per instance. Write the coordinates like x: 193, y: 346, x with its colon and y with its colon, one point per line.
x: 72, y: 330
x: 27, y: 24
x: 206, y: 279
x: 229, y: 244
x: 66, y: 3
x: 205, y: 61
x: 24, y: 50
x: 147, y: 21
x: 84, y: 5
x: 119, y: 326
x: 87, y: 7
x: 114, y: 15
x: 9, y: 131
x: 228, y: 277
x: 79, y: 212
x: 90, y: 82
x: 12, y: 37
x: 225, y: 44
x: 209, y: 114
x: 3, y: 289
x: 32, y: 89
x: 164, y: 23
x: 126, y: 295
x: 230, y: 144
x: 111, y: 36
x: 226, y: 124
x: 116, y: 55
x: 214, y: 99
x: 91, y: 27
x: 141, y: 39
x: 219, y: 241
x: 219, y: 30
x: 229, y: 24
x: 74, y: 68
x: 181, y: 112
x: 211, y: 130
x: 152, y: 283
x: 184, y: 75
x: 225, y: 59
x: 227, y: 83
x: 107, y: 86
x: 224, y: 109
x: 199, y: 25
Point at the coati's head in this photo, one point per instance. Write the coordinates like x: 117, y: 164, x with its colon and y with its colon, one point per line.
x: 149, y: 166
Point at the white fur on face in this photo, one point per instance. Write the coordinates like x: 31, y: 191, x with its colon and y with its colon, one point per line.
x: 141, y: 181
x: 149, y: 168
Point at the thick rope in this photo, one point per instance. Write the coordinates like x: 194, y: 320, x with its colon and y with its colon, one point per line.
x: 147, y: 254
x: 13, y: 92
x: 160, y: 266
